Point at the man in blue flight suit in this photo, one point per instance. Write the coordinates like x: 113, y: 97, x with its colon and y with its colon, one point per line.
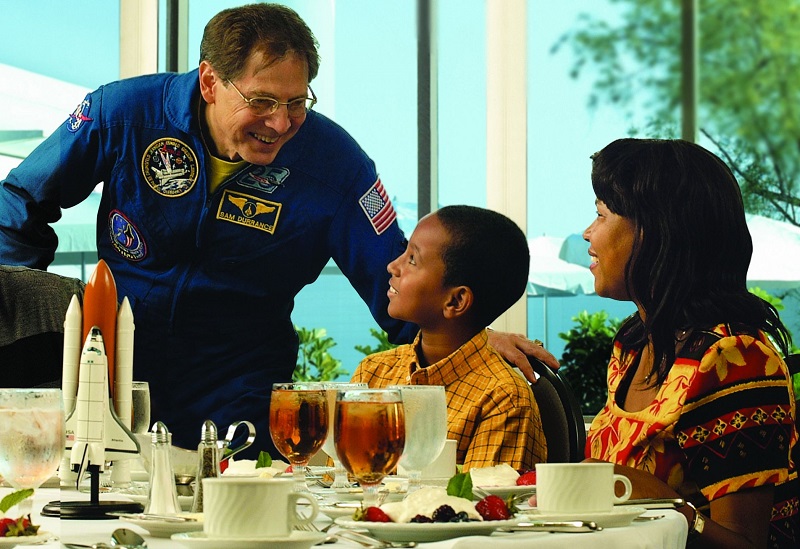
x: 224, y: 194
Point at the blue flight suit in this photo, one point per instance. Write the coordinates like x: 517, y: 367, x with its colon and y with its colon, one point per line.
x: 211, y: 277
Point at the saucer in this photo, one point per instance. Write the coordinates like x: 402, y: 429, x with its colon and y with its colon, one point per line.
x: 426, y: 532
x: 296, y: 540
x: 505, y: 491
x: 163, y: 528
x: 619, y: 516
x: 39, y: 538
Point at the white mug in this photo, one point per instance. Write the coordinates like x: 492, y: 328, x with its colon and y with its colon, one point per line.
x: 249, y: 507
x: 444, y: 466
x: 578, y: 487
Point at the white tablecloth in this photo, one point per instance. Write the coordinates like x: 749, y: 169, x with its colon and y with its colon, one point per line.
x: 667, y: 533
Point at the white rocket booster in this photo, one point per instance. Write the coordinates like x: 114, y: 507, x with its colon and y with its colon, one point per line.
x: 72, y: 354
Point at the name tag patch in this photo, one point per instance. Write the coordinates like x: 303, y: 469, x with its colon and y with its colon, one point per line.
x: 249, y: 211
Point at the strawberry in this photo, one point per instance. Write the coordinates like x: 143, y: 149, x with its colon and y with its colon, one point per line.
x: 527, y: 479
x: 372, y: 514
x: 19, y: 527
x: 5, y: 525
x: 493, y: 508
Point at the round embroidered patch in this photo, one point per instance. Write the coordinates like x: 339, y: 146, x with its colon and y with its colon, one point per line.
x: 170, y: 167
x: 80, y: 114
x: 125, y: 237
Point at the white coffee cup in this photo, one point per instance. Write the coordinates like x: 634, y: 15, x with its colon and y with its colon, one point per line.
x: 441, y: 468
x: 578, y: 487
x: 247, y: 507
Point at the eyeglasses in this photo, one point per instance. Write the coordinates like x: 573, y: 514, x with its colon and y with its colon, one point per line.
x: 262, y: 106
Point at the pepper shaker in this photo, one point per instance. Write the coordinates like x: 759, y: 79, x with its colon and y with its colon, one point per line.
x: 207, y: 462
x: 163, y: 496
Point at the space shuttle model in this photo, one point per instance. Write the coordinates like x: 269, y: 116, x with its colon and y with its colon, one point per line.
x: 97, y: 376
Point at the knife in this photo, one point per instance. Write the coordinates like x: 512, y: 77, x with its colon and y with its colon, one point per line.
x: 569, y: 526
x: 655, y: 503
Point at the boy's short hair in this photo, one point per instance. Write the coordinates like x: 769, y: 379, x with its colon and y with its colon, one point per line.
x: 487, y: 252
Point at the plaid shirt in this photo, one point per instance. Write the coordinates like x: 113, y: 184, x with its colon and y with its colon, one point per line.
x: 491, y: 411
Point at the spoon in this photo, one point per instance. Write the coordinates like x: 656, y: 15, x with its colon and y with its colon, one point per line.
x: 122, y: 537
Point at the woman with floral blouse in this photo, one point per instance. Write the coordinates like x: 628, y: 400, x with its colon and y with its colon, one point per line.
x: 700, y: 404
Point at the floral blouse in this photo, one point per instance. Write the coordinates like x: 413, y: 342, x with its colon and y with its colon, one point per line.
x: 722, y: 421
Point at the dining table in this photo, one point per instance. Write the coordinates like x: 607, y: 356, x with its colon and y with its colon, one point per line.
x: 669, y: 531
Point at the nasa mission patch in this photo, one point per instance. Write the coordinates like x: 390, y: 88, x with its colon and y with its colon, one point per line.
x: 80, y: 114
x: 170, y: 167
x: 125, y: 237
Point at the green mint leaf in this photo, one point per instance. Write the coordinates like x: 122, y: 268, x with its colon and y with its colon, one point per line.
x: 460, y: 486
x: 14, y: 498
x: 264, y: 459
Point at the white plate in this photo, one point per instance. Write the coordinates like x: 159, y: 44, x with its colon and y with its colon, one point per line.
x: 297, y: 540
x: 41, y: 537
x: 335, y: 512
x: 185, y: 501
x: 505, y: 491
x: 430, y: 531
x: 165, y: 528
x: 622, y: 515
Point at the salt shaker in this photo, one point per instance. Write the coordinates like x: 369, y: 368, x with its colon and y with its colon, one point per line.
x: 163, y: 497
x: 207, y: 462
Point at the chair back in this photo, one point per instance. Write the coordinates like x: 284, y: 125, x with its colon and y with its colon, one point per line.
x: 562, y: 419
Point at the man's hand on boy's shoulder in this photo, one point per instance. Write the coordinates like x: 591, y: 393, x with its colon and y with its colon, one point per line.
x: 516, y: 349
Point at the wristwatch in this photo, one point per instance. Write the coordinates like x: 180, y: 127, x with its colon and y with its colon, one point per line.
x: 697, y: 524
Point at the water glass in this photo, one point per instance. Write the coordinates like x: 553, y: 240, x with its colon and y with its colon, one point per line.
x: 140, y: 419
x: 426, y: 428
x: 31, y: 437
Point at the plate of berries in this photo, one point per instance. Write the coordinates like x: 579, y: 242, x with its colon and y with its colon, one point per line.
x: 431, y: 514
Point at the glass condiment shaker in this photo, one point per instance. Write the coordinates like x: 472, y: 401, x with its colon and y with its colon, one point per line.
x: 208, y: 453
x: 163, y: 496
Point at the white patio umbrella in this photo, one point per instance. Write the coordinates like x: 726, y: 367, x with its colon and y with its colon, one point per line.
x: 776, y: 254
x: 550, y: 275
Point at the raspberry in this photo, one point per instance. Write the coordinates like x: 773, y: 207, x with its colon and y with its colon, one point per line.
x: 527, y: 479
x: 443, y: 514
x: 493, y: 508
x: 5, y: 525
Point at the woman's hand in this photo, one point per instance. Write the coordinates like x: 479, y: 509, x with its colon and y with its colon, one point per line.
x: 739, y: 519
x: 516, y: 349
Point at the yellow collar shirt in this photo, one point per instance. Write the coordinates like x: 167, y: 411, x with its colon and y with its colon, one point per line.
x: 491, y: 410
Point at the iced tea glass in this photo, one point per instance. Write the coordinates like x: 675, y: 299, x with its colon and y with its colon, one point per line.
x: 298, y: 424
x: 369, y: 435
x: 332, y: 388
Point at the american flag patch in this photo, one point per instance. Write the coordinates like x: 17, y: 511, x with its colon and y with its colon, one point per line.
x: 376, y: 204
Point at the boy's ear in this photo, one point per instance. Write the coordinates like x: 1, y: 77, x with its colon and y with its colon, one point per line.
x: 459, y: 302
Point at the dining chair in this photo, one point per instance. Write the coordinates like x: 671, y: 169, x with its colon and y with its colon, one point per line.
x: 562, y: 419
x: 33, y: 304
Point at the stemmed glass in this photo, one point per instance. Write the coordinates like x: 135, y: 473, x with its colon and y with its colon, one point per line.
x: 31, y: 438
x: 332, y: 388
x: 140, y: 396
x: 369, y: 435
x: 426, y: 428
x: 298, y: 424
